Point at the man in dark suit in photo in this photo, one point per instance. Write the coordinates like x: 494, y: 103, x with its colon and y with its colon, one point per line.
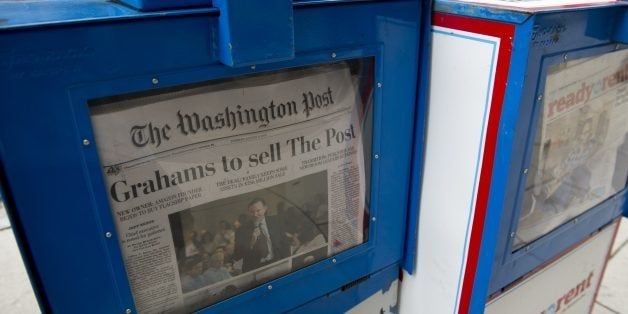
x: 261, y: 240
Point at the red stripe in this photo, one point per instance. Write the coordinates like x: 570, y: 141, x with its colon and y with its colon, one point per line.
x: 505, y: 32
x: 608, y: 257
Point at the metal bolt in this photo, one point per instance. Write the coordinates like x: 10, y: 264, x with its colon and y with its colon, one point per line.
x: 270, y: 287
x: 379, y: 85
x: 540, y: 97
x: 525, y: 171
x: 253, y: 67
x: 128, y: 311
x: 333, y: 260
x: 376, y: 156
x: 86, y: 142
x: 565, y: 57
x: 155, y: 81
x: 108, y: 234
x: 333, y: 54
x: 512, y: 234
x: 373, y: 219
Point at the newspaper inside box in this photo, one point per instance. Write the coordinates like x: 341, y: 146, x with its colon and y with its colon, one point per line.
x: 221, y: 186
x: 582, y: 133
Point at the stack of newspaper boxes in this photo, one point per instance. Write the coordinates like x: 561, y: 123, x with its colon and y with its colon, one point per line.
x: 240, y: 156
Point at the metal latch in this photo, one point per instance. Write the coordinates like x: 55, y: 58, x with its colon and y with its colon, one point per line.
x: 255, y: 32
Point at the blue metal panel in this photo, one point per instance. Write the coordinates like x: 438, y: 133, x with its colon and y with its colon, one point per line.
x: 247, y: 37
x: 153, y: 5
x: 579, y: 37
x: 412, y: 224
x: 55, y: 183
x: 623, y: 199
x: 620, y: 33
x: 64, y: 12
x: 347, y: 297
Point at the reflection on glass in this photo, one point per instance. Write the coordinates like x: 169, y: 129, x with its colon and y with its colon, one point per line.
x: 220, y: 187
x: 580, y: 145
x: 236, y: 243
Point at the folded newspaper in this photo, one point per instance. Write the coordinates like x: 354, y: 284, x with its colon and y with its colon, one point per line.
x: 583, y: 134
x: 220, y: 187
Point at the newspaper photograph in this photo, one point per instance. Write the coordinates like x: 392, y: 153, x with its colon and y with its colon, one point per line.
x: 582, y: 135
x: 220, y: 187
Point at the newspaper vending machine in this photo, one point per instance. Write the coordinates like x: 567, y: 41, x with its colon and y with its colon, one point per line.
x: 227, y: 156
x: 526, y: 156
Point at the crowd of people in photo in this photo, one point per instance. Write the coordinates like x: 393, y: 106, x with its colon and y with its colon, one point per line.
x: 256, y: 238
x: 208, y: 257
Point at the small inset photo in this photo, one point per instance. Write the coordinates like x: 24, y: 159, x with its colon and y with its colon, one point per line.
x: 225, y: 239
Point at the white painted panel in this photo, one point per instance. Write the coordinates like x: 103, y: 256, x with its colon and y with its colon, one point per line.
x: 567, y: 285
x: 461, y: 81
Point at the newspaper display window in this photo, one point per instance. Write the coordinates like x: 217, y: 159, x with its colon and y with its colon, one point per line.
x: 580, y: 146
x: 219, y: 187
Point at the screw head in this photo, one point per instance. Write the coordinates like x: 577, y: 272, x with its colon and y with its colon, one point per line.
x: 540, y: 97
x: 128, y: 311
x: 155, y: 81
x: 373, y: 219
x: 108, y: 234
x: 253, y: 67
x: 525, y: 171
x: 379, y: 85
x: 333, y: 260
x: 376, y: 156
x: 565, y: 57
x: 86, y: 142
x: 270, y: 287
x: 512, y: 234
x: 333, y: 54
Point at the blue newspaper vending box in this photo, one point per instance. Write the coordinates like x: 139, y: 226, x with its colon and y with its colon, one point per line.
x: 525, y: 158
x: 222, y: 157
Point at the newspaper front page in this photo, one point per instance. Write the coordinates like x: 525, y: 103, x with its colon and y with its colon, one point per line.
x: 216, y: 189
x: 579, y: 147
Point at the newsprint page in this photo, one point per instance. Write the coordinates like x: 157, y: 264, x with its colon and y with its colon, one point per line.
x: 580, y: 150
x: 216, y: 189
